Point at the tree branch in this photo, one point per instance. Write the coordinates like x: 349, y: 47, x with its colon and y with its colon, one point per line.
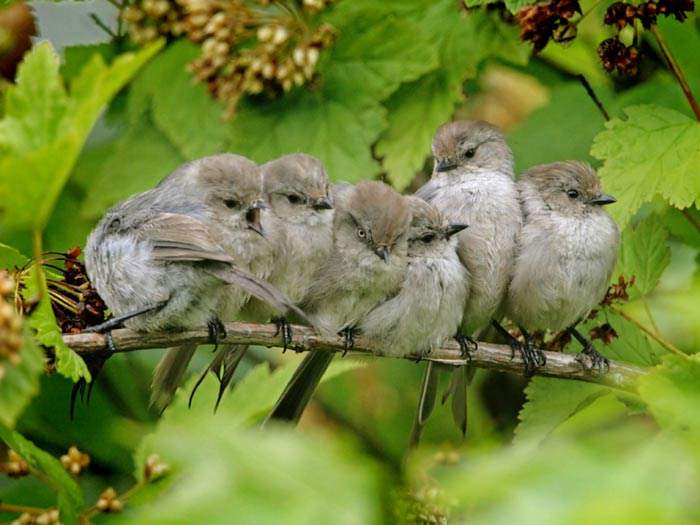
x: 496, y: 357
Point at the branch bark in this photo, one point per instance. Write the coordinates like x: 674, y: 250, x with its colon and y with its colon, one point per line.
x: 496, y: 357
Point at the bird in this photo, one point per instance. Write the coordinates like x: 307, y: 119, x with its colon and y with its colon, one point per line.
x: 300, y: 229
x: 183, y: 254
x: 473, y: 183
x: 367, y: 265
x: 428, y: 308
x: 566, y: 252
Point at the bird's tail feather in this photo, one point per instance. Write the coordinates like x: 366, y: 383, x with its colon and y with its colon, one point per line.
x: 298, y: 391
x: 169, y: 373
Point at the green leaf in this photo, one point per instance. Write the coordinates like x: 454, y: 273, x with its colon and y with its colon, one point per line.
x: 10, y: 257
x: 43, y: 322
x: 141, y: 157
x: 75, y: 57
x: 417, y: 108
x: 164, y: 84
x: 44, y: 129
x: 70, y: 497
x: 672, y: 392
x: 20, y: 383
x: 550, y: 402
x: 653, y: 151
x: 644, y: 254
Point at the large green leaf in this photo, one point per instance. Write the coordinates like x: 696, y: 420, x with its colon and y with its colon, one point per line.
x: 419, y: 107
x: 653, y: 151
x: 45, y: 128
x: 196, y: 128
x: 70, y: 497
x: 672, y: 392
x: 20, y: 383
x: 644, y: 254
x: 550, y: 402
x: 43, y: 322
x: 141, y: 157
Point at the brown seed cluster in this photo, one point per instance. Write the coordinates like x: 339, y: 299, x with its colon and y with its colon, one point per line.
x: 155, y: 468
x: 109, y: 502
x: 15, y: 466
x: 545, y: 21
x: 75, y: 461
x: 605, y: 332
x: 50, y: 517
x: 76, y: 304
x: 614, y: 55
x: 247, y: 47
x: 10, y: 325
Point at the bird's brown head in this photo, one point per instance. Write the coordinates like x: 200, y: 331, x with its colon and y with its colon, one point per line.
x: 375, y: 217
x: 470, y: 145
x: 297, y: 188
x: 570, y: 187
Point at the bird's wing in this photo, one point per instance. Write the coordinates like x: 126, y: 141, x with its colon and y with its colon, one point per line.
x: 427, y: 191
x: 177, y: 237
x: 256, y: 287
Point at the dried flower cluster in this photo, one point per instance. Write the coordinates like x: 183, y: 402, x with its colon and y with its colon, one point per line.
x: 10, y: 325
x: 615, y: 55
x: 15, y: 466
x: 76, y: 304
x: 50, y: 517
x: 75, y: 461
x: 247, y: 47
x: 109, y: 502
x: 548, y: 20
x: 154, y: 468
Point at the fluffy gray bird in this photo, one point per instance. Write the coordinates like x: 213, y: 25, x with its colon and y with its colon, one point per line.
x: 161, y: 259
x: 300, y: 229
x: 366, y: 266
x: 472, y: 183
x: 567, y: 251
x: 428, y: 308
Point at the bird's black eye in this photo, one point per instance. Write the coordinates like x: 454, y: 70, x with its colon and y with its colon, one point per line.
x: 361, y: 233
x: 573, y: 194
x: 470, y: 153
x: 428, y: 238
x: 231, y: 203
x: 294, y: 199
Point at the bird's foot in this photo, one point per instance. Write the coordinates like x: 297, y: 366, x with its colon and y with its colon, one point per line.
x: 591, y: 359
x: 217, y: 332
x: 348, y: 334
x: 284, y: 328
x: 465, y: 342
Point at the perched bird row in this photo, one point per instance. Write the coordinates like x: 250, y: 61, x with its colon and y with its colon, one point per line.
x: 222, y: 238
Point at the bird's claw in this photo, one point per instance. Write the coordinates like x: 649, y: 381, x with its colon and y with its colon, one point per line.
x: 284, y: 328
x: 532, y: 358
x: 465, y: 342
x: 348, y: 335
x: 597, y: 360
x: 217, y: 332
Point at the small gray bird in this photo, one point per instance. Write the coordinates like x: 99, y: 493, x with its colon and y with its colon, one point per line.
x: 161, y: 259
x: 300, y: 229
x: 366, y: 266
x: 428, y: 308
x: 567, y: 251
x: 472, y: 183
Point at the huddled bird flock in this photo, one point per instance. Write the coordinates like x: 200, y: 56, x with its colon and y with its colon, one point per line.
x: 222, y: 238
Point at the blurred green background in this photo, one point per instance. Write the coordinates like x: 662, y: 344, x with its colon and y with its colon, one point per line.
x: 537, y: 451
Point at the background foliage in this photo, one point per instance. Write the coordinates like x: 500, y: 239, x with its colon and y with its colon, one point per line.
x: 87, y: 126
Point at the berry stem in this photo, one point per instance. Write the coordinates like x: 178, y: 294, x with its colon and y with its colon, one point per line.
x: 676, y: 70
x: 589, y: 89
x: 666, y: 344
x: 21, y: 509
x: 692, y: 220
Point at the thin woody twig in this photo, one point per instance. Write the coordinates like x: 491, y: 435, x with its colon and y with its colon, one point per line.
x: 589, y: 90
x: 496, y: 357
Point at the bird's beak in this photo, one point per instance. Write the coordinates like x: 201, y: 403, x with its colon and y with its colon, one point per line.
x: 322, y: 203
x: 453, y: 228
x: 602, y: 199
x: 252, y: 216
x: 382, y: 252
x: 445, y: 165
